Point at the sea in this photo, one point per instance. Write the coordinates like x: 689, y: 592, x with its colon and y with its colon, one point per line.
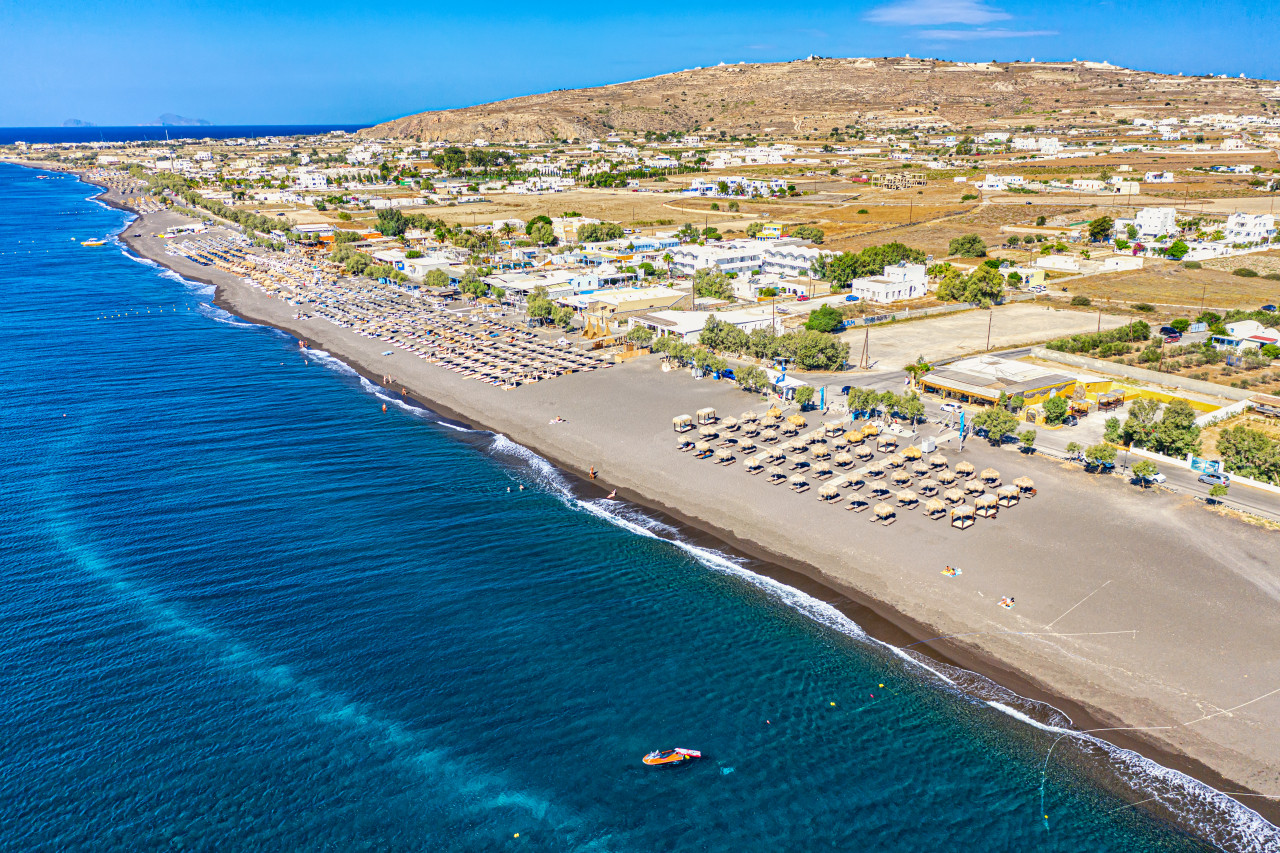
x: 245, y: 608
x: 160, y: 133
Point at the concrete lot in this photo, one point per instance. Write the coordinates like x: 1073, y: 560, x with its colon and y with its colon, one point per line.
x: 952, y: 335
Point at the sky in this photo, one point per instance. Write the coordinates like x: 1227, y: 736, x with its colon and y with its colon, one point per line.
x: 329, y: 62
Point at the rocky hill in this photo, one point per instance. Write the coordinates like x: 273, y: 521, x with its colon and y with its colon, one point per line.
x: 816, y: 95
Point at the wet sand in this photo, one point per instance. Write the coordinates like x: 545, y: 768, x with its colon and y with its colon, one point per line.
x: 1134, y: 609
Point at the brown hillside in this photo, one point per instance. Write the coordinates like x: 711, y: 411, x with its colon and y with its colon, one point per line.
x: 819, y: 94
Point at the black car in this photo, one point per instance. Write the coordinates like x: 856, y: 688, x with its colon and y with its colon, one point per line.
x: 1270, y: 309
x: 1070, y: 420
x: 1168, y: 330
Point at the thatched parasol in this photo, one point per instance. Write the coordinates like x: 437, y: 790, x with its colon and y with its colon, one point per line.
x: 754, y: 462
x: 840, y: 441
x: 953, y: 496
x: 937, y: 460
x: 920, y: 469
x: 797, y: 480
x: 774, y: 412
x: 788, y: 429
x: 776, y: 473
x: 798, y: 421
x: 863, y: 453
x: 769, y: 435
x: 911, y: 452
x: 989, y: 474
x: 842, y: 459
x: 901, y: 477
x: 906, y: 497
x: 883, y: 510
x: 974, y: 487
x: 724, y: 453
x: 707, y: 432
x: 821, y: 468
x: 946, y: 477
x: 797, y: 445
x: 927, y: 487
x: 829, y: 491
x: 1024, y: 483
x: 747, y: 445
x: 749, y: 417
x: 729, y: 423
x: 893, y: 460
x: 702, y: 447
x: 875, y: 469
x: 935, y: 507
x: 870, y: 430
x: 821, y: 452
x: 965, y: 469
x: 768, y: 421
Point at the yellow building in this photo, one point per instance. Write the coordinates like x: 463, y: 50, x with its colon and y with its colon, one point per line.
x: 983, y: 378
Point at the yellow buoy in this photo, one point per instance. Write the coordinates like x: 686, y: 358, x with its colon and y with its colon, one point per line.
x: 833, y: 704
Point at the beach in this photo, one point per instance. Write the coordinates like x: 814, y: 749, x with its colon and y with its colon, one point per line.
x: 1135, y: 609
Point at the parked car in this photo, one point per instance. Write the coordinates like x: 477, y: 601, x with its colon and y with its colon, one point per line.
x: 1071, y: 420
x: 1155, y: 478
x: 802, y: 298
x: 1038, y: 288
x: 851, y: 298
x: 1215, y: 479
x: 1169, y: 330
x: 954, y: 408
x: 1172, y: 339
x: 1270, y: 309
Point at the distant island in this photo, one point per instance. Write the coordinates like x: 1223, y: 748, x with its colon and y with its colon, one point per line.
x: 172, y: 120
x: 75, y: 122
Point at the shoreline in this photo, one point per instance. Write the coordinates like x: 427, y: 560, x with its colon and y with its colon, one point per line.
x: 879, y: 619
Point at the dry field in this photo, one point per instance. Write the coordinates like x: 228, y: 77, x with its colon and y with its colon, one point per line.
x: 1209, y: 435
x: 1163, y: 283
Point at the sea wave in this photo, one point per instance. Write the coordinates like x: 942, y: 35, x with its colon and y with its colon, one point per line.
x: 1211, y: 814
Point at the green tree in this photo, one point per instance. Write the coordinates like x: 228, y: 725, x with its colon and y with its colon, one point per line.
x: 1250, y: 453
x: 751, y: 378
x: 1181, y: 325
x: 1217, y: 492
x: 1100, y: 229
x: 1073, y: 449
x: 1177, y: 250
x: 563, y: 317
x: 984, y: 287
x: 436, y: 279
x: 1140, y: 426
x: 825, y: 319
x: 997, y: 422
x: 1055, y: 409
x: 539, y: 306
x: 712, y: 284
x: 1177, y: 434
x: 1097, y: 454
x: 1144, y: 470
x: 812, y: 233
x: 910, y: 406
x: 1028, y: 439
x: 917, y: 368
x: 968, y: 246
x: 804, y: 396
x: 863, y: 399
x: 754, y: 228
x: 544, y: 234
x: 641, y: 335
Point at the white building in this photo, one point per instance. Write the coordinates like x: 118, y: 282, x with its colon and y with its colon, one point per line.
x: 901, y: 281
x: 1249, y: 228
x: 1151, y: 222
x: 688, y: 325
x: 790, y: 261
x: 736, y: 256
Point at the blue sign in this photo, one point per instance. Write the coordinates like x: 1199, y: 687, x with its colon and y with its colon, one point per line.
x: 1206, y: 466
x: 962, y: 423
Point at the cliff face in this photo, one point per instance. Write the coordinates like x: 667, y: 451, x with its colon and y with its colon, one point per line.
x: 814, y: 96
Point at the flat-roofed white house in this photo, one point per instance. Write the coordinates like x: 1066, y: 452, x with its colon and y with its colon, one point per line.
x: 738, y: 256
x: 1249, y: 228
x: 688, y: 325
x: 1151, y: 222
x: 898, y: 282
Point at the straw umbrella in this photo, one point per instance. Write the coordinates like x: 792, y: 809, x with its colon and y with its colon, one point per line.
x: 911, y: 452
x: 857, y: 504
x: 751, y: 428
x: 749, y: 417
x: 965, y: 469
x: 901, y: 478
x: 768, y: 421
x: 747, y: 446
x: 797, y: 445
x: 769, y: 435
x: 975, y: 487
x: 829, y: 492
x: 880, y: 490
x: 875, y: 470
x: 893, y: 460
x: 788, y: 429
x: 884, y: 512
x: 937, y: 460
x: 774, y: 412
x: 920, y: 469
x: 928, y: 488
x: 1025, y: 485
x: 946, y: 477
x: 754, y: 464
x: 798, y: 483
x: 798, y: 421
x: 707, y: 432
x: 776, y: 475
x: 840, y: 442
x: 1007, y: 495
x: 702, y: 448
x: 822, y: 470
x: 729, y: 424
x: 863, y: 453
x: 953, y: 496
x: 723, y: 455
x: 821, y: 452
x: 989, y: 475
x: 907, y: 498
x: 843, y: 459
x: 935, y: 508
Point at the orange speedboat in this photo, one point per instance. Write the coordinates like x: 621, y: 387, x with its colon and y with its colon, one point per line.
x: 670, y: 756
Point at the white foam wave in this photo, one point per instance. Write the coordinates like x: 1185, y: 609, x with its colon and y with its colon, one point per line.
x: 1226, y: 822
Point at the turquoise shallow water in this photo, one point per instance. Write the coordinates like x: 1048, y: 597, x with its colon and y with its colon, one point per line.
x: 243, y: 609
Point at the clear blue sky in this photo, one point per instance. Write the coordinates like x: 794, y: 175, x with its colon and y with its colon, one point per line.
x: 318, y: 61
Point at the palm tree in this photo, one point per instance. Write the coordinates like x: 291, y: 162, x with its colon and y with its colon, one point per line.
x: 667, y: 259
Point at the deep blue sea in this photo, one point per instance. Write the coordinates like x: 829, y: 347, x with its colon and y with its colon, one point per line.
x: 244, y: 609
x: 135, y: 133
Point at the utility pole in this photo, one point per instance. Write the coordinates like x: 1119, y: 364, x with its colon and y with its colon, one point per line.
x: 1099, y: 320
x: 864, y: 363
x: 1203, y: 291
x: 991, y: 313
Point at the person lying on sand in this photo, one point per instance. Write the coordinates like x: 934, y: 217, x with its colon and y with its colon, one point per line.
x: 556, y: 420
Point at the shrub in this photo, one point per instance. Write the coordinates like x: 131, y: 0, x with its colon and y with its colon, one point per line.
x: 863, y: 210
x: 1143, y: 306
x: 1244, y: 272
x: 1082, y: 301
x: 1192, y: 265
x: 1273, y: 276
x: 968, y: 246
x: 968, y: 197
